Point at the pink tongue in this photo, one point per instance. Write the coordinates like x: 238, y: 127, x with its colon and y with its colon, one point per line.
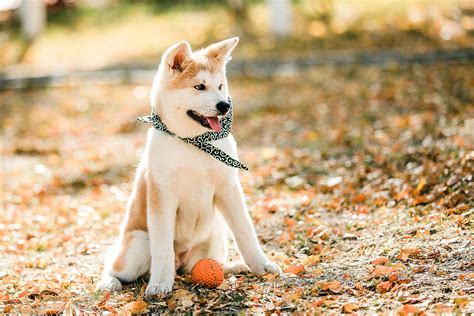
x: 214, y: 123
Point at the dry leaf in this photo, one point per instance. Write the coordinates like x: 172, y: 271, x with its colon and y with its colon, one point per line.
x: 384, y: 287
x: 411, y: 309
x: 135, y: 307
x: 381, y: 260
x: 335, y: 286
x: 404, y: 254
x: 420, y: 186
x: 316, y: 272
x: 289, y: 222
x: 349, y: 308
x: 383, y: 271
x: 103, y: 301
x: 296, y: 270
x: 312, y: 260
x: 8, y: 308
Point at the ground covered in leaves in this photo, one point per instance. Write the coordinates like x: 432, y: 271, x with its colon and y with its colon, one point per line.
x: 360, y: 188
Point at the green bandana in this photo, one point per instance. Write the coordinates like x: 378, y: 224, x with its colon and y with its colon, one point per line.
x: 202, y: 141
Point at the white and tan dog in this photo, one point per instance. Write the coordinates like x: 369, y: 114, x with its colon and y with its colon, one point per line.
x: 184, y: 199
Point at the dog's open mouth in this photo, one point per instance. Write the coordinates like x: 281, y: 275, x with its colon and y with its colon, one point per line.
x: 211, y: 122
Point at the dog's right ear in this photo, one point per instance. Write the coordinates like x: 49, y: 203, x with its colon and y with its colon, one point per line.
x: 175, y: 56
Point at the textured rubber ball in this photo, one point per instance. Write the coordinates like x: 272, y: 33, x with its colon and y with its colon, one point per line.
x: 208, y: 273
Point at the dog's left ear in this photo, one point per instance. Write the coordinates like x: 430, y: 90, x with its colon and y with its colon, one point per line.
x: 220, y: 51
x: 175, y: 57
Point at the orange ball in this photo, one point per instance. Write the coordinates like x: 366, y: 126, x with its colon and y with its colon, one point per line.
x: 207, y: 272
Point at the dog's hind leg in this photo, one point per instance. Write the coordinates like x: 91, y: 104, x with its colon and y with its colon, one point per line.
x: 130, y: 257
x: 214, y: 247
x: 130, y: 261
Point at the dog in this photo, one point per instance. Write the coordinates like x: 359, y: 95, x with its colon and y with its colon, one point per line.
x: 184, y: 200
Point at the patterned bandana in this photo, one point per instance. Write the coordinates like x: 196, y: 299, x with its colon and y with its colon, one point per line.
x: 202, y: 141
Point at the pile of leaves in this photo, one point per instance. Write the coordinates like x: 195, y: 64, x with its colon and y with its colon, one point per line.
x: 360, y: 188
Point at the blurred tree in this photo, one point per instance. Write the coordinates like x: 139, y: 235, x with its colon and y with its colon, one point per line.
x: 322, y: 11
x: 32, y: 15
x: 238, y: 10
x: 33, y: 18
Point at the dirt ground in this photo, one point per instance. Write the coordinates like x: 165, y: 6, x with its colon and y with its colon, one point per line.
x: 360, y: 186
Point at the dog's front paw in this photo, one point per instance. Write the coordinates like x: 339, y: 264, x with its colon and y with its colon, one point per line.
x: 159, y: 286
x: 109, y: 283
x: 272, y: 267
x: 265, y: 267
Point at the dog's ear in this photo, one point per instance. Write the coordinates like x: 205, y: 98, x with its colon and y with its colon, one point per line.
x: 175, y: 56
x: 220, y: 52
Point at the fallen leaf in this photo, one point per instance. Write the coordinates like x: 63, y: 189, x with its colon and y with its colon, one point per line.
x: 103, y: 301
x: 349, y: 308
x: 135, y: 307
x: 312, y: 260
x: 269, y: 277
x: 411, y: 309
x: 384, y: 287
x: 335, y: 286
x: 379, y: 261
x: 420, y: 186
x: 187, y: 302
x: 296, y: 270
x: 359, y: 198
x: 316, y: 272
x: 404, y: 254
x: 383, y: 271
x: 7, y: 309
x: 460, y: 301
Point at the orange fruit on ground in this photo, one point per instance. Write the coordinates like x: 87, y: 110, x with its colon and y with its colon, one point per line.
x: 207, y: 272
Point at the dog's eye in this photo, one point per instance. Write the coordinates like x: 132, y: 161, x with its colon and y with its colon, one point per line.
x: 200, y: 87
x: 220, y: 87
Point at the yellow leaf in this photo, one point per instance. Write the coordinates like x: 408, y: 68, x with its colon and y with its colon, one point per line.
x: 312, y: 260
x: 420, y: 185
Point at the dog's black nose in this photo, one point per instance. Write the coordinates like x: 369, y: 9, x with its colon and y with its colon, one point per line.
x: 223, y: 107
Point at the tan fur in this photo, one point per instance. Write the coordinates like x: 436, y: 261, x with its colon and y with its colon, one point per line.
x: 135, y: 220
x: 154, y: 194
x: 136, y: 213
x: 187, y: 78
x: 119, y: 261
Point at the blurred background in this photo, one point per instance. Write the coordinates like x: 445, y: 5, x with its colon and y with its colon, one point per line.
x: 356, y: 107
x: 64, y: 35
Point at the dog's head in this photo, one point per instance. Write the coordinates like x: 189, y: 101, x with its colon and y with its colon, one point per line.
x: 190, y: 92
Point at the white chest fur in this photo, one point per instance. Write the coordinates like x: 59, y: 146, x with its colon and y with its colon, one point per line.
x: 188, y: 177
